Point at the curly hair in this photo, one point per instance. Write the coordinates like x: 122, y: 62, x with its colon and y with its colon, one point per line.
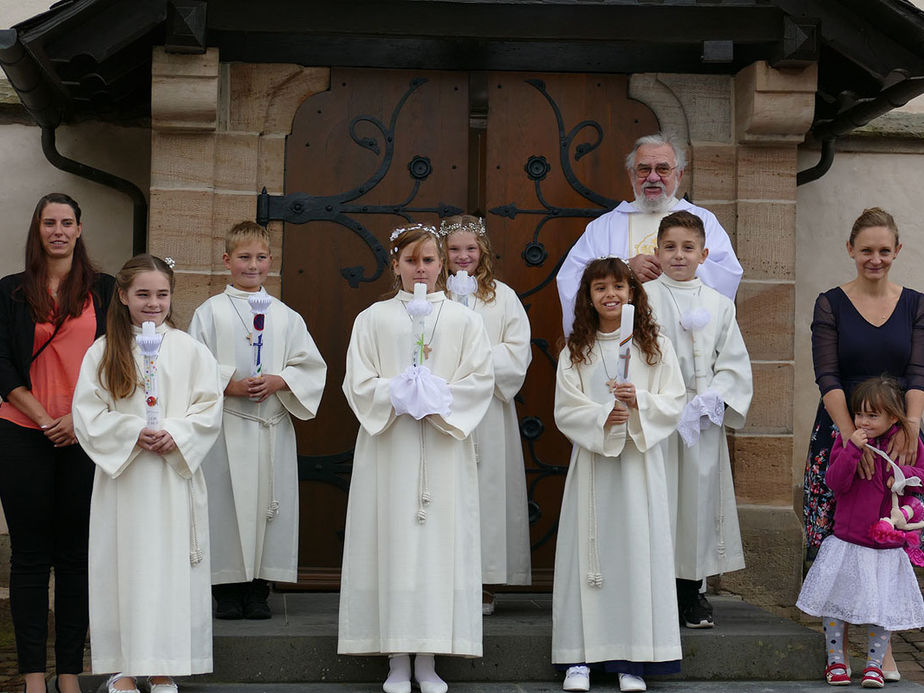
x: 484, y: 273
x: 587, y: 321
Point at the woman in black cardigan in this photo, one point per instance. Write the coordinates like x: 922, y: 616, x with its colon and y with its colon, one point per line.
x: 49, y: 316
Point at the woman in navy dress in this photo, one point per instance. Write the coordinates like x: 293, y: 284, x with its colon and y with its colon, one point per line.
x: 864, y: 328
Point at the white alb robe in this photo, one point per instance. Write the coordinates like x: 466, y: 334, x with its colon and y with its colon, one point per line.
x: 614, y: 520
x: 409, y: 586
x: 704, y: 514
x: 505, y: 549
x: 150, y: 606
x: 255, y: 461
x: 609, y: 235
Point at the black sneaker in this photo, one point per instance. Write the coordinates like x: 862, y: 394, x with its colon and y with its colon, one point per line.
x: 230, y: 601
x: 697, y: 614
x: 256, y: 604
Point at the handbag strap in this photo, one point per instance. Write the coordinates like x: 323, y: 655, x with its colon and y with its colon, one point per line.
x: 47, y: 342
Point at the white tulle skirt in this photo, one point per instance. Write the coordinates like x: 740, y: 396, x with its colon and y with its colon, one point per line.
x: 858, y: 584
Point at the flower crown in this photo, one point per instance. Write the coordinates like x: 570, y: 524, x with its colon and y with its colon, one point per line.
x: 476, y: 227
x: 611, y: 256
x: 401, y: 230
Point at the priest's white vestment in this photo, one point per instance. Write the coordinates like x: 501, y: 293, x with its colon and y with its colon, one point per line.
x: 610, y: 234
x: 704, y: 513
x: 614, y: 524
x: 150, y: 602
x: 505, y: 550
x: 411, y: 586
x: 255, y: 462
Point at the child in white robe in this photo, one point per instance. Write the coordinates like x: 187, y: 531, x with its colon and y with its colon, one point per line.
x: 505, y: 550
x: 700, y: 322
x: 252, y: 472
x: 419, y: 385
x: 149, y: 542
x: 613, y: 597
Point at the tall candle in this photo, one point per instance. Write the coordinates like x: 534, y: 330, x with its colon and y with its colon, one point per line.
x: 626, y: 324
x: 259, y: 304
x: 420, y: 291
x: 149, y: 344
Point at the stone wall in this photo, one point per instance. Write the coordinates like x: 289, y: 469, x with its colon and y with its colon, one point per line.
x: 218, y: 134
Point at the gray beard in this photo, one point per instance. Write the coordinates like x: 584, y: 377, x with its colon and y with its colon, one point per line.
x: 662, y: 204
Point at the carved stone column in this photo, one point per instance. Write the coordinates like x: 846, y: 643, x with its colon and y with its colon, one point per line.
x: 773, y: 111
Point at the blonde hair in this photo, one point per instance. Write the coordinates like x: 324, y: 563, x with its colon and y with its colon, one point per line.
x: 245, y: 231
x: 117, y: 371
x: 484, y: 273
x: 870, y: 218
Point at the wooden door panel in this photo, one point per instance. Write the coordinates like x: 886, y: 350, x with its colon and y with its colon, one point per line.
x: 555, y: 152
x: 379, y: 148
x: 383, y: 146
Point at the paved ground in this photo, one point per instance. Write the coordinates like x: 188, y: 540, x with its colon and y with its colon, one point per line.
x: 907, y: 647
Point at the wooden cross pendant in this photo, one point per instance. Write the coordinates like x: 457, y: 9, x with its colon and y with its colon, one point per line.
x: 426, y: 351
x: 611, y: 384
x: 250, y: 338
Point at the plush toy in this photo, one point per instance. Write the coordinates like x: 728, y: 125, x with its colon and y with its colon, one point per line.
x: 902, y: 525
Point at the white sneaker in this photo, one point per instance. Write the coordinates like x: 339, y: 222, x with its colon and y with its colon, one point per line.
x: 577, y: 679
x: 628, y: 682
x: 169, y: 687
x: 110, y: 684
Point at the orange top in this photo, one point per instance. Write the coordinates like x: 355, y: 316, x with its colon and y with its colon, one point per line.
x: 54, y: 372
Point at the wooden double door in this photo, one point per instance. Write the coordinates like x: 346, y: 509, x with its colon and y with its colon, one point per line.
x: 539, y: 155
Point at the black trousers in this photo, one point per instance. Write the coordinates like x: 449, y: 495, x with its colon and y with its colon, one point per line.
x: 45, y: 493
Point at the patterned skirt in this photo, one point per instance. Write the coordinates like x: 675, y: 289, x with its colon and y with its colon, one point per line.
x: 817, y: 499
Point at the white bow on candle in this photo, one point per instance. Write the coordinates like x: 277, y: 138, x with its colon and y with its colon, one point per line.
x: 419, y: 308
x: 149, y: 343
x: 461, y: 286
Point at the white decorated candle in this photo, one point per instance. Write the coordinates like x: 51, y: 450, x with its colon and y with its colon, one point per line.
x: 626, y: 324
x: 420, y: 291
x: 149, y: 344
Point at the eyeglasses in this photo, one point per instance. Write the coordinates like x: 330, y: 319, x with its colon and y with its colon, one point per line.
x: 644, y: 170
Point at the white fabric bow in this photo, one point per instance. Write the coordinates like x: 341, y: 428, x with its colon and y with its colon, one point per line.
x: 418, y: 392
x: 900, y: 481
x: 700, y: 411
x: 695, y: 319
x: 461, y: 284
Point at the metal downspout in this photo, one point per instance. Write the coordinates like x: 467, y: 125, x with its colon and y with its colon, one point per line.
x: 821, y: 168
x: 139, y: 204
x: 47, y: 106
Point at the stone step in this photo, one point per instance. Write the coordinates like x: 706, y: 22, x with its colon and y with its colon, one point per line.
x: 299, y: 644
x: 603, y: 684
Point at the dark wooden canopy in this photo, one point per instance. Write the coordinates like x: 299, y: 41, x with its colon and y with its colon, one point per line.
x: 92, y: 58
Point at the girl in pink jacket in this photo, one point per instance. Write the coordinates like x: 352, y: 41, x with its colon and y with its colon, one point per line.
x: 862, y: 575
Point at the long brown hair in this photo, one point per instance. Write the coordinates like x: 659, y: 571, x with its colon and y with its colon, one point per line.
x: 74, y: 288
x: 884, y: 395
x: 117, y: 371
x: 484, y: 272
x: 587, y: 322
